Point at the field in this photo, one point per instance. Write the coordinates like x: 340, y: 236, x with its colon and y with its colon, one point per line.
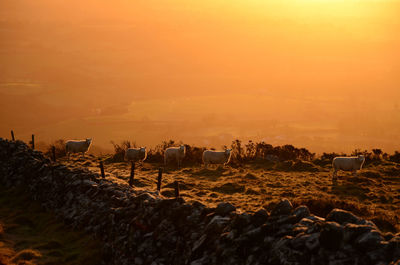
x: 373, y: 194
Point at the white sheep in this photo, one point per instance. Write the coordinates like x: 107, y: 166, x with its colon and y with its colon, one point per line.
x: 175, y: 152
x: 136, y: 154
x: 352, y: 163
x: 78, y: 146
x: 216, y: 157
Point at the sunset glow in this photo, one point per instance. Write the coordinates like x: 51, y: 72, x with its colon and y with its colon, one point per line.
x: 323, y: 74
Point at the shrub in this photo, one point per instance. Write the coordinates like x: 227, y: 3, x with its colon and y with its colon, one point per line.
x: 59, y: 146
x: 119, y: 150
x: 255, y: 151
x: 193, y: 155
x: 395, y: 157
x: 156, y: 155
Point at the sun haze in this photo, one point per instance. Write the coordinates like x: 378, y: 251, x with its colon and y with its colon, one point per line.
x: 321, y: 74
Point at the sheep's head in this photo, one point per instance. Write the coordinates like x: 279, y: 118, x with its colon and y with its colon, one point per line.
x: 88, y: 141
x: 361, y: 158
x: 228, y: 152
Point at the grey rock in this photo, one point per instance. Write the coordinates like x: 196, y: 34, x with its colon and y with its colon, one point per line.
x: 284, y: 207
x: 224, y: 208
x: 259, y: 217
x: 331, y: 236
x: 342, y: 217
x: 217, y: 224
x: 301, y: 212
x: 369, y: 241
x: 312, y: 242
x: 352, y: 231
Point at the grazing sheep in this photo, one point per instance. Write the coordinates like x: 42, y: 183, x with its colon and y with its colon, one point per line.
x: 216, y: 157
x: 175, y: 152
x: 352, y: 163
x: 136, y: 154
x: 78, y: 146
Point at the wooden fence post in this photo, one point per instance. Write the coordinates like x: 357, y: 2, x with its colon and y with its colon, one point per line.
x: 33, y: 142
x: 12, y: 135
x: 132, y: 174
x: 102, y: 169
x: 159, y: 179
x: 176, y: 184
x: 53, y: 151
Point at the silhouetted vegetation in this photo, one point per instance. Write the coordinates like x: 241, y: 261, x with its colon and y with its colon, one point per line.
x: 59, y: 147
x: 156, y: 155
x: 253, y: 151
x: 395, y: 157
x: 286, y: 157
x: 193, y: 155
x: 119, y: 150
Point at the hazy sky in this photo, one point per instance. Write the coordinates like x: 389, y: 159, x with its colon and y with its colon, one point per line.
x: 323, y: 74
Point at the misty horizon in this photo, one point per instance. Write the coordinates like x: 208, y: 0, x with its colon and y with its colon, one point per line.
x: 319, y: 75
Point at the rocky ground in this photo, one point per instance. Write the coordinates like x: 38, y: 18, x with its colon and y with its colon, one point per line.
x: 140, y: 226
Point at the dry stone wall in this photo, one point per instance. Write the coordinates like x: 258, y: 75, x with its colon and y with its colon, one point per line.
x: 142, y: 227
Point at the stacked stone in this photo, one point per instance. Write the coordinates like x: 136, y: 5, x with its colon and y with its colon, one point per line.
x: 142, y: 227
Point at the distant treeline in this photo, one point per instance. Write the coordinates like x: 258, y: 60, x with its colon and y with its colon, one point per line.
x: 250, y: 152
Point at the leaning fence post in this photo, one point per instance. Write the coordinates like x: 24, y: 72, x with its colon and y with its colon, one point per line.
x: 53, y: 151
x: 33, y: 142
x: 132, y: 174
x: 12, y: 135
x: 159, y: 179
x: 102, y: 169
x: 176, y: 184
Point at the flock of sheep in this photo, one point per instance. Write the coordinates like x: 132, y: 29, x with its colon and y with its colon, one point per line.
x: 140, y: 154
x: 209, y: 156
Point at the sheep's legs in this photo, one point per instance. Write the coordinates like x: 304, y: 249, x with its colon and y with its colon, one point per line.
x: 334, y: 176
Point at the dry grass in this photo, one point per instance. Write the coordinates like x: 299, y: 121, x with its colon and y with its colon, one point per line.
x: 373, y: 194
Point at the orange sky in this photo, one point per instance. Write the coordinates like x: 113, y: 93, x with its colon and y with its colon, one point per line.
x: 323, y: 74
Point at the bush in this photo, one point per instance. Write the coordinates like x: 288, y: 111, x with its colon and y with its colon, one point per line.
x: 59, y: 146
x: 119, y: 150
x: 194, y: 155
x: 255, y: 151
x: 395, y: 157
x: 156, y: 155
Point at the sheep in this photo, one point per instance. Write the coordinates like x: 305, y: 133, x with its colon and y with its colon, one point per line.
x: 216, y: 157
x: 136, y: 154
x: 352, y: 163
x: 78, y: 146
x: 175, y: 152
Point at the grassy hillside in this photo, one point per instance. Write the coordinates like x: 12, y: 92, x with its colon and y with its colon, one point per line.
x: 372, y: 194
x: 29, y: 235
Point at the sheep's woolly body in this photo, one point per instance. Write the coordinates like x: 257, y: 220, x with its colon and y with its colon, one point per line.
x: 136, y: 154
x: 77, y: 146
x: 216, y: 157
x: 177, y: 153
x: 353, y: 163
